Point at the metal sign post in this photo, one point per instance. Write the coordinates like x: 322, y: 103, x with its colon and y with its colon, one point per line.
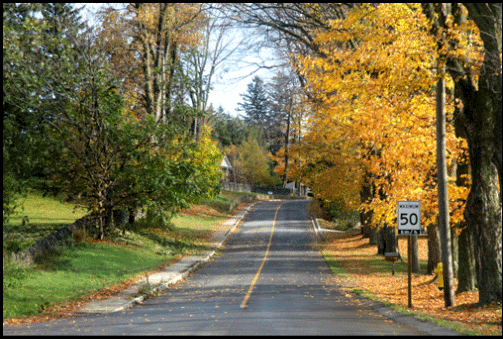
x: 409, y: 264
x: 409, y: 223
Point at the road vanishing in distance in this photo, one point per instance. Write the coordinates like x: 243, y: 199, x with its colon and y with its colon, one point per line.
x: 269, y: 279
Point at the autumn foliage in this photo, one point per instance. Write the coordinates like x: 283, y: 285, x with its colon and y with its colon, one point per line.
x: 373, y: 119
x: 110, y: 104
x: 365, y: 271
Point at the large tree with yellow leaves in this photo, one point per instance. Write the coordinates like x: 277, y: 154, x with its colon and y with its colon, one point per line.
x: 370, y: 70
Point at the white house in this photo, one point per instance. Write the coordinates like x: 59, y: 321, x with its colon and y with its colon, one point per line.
x: 303, y: 188
x: 226, y: 167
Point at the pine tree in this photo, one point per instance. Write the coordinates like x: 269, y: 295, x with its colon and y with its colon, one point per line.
x: 254, y: 103
x: 36, y: 58
x: 61, y: 17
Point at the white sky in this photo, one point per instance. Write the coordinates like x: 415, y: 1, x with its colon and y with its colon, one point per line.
x: 226, y: 91
x: 230, y: 80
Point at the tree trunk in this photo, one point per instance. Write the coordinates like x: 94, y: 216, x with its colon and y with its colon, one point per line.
x: 381, y: 244
x: 100, y: 216
x: 100, y: 223
x: 488, y: 18
x: 454, y: 251
x: 366, y: 217
x: 482, y: 214
x: 483, y: 208
x: 416, y: 267
x: 364, y: 230
x: 481, y: 116
x: 466, y: 263
x: 482, y: 211
x: 390, y: 240
x: 434, y: 253
x: 466, y: 268
x: 372, y: 236
x: 130, y: 222
x: 109, y: 219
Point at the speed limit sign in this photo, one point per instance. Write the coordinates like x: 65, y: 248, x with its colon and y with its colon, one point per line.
x: 409, y: 217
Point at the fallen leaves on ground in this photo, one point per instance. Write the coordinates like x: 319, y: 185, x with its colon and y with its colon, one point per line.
x: 356, y: 257
x: 201, y: 211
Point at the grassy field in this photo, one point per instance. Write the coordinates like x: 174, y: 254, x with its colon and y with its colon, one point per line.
x: 40, y: 217
x: 90, y: 266
x: 71, y: 273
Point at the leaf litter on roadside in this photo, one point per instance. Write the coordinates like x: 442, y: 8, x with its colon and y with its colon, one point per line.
x: 357, y: 258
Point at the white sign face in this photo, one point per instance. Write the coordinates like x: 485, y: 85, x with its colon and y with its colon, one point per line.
x: 409, y: 217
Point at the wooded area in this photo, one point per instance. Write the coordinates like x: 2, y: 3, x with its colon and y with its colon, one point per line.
x: 117, y: 115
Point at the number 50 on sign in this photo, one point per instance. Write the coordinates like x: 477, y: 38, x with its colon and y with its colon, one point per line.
x: 409, y: 217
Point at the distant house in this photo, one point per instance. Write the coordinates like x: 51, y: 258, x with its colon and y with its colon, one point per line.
x: 304, y: 190
x: 226, y: 168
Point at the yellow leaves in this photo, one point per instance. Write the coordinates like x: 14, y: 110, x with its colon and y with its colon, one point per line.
x: 207, y: 157
x: 377, y: 112
x: 461, y: 41
x: 364, y: 271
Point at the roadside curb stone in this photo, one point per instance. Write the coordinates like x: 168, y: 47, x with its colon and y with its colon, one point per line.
x: 161, y: 280
x: 409, y: 320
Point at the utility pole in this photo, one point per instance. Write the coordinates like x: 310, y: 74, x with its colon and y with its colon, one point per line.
x: 287, y: 147
x: 443, y: 197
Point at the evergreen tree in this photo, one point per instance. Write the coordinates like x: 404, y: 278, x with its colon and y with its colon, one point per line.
x: 36, y: 56
x: 220, y: 131
x: 228, y: 130
x: 62, y: 18
x: 254, y: 103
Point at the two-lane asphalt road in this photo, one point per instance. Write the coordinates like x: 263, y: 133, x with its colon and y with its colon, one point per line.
x: 269, y: 279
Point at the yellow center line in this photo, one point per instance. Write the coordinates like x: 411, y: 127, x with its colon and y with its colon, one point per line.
x: 245, y: 300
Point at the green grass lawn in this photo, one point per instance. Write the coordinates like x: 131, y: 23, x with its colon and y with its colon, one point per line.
x: 224, y: 201
x: 40, y: 217
x: 46, y: 210
x: 69, y: 273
